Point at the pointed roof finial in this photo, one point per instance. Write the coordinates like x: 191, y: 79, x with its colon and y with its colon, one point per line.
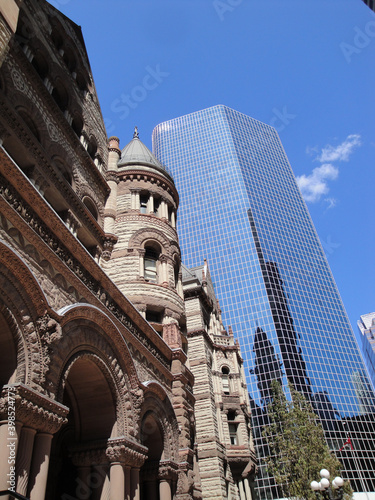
x: 135, y: 135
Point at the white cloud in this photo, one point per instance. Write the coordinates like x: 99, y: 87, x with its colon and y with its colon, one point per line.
x: 340, y: 152
x: 332, y: 202
x: 313, y: 186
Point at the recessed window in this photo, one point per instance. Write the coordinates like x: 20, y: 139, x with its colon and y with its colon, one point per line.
x: 143, y: 203
x: 233, y: 434
x: 225, y: 380
x: 157, y: 203
x: 154, y: 316
x: 150, y: 264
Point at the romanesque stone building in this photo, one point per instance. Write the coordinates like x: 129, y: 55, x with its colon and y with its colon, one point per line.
x: 102, y: 330
x: 222, y: 410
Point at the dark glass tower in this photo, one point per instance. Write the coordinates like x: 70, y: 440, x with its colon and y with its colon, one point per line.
x: 242, y: 210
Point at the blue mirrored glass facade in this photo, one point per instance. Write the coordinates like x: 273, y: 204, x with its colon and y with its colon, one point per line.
x: 240, y: 208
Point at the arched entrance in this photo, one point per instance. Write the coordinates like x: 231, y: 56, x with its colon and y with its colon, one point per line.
x: 79, y: 467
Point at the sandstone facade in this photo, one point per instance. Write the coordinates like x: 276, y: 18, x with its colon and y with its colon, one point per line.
x: 96, y: 324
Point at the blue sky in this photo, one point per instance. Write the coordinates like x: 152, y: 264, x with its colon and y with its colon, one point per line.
x: 305, y: 67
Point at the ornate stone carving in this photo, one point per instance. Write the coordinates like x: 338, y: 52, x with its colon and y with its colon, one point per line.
x: 33, y: 409
x: 126, y: 451
x: 49, y: 329
x: 74, y: 265
x: 109, y: 242
x: 168, y: 470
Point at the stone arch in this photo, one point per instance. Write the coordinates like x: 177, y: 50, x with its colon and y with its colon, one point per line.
x: 91, y: 395
x: 157, y: 403
x: 30, y: 123
x: 12, y: 349
x: 92, y: 373
x: 159, y: 434
x: 64, y: 168
x: 85, y: 327
x: 40, y: 58
x: 141, y: 237
x: 61, y: 156
x: 91, y: 206
x: 87, y: 192
x: 89, y: 371
x: 24, y: 310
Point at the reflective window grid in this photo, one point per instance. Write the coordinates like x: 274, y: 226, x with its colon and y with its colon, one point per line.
x: 240, y: 208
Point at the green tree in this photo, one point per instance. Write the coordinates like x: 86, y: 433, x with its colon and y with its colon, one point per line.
x: 298, y: 450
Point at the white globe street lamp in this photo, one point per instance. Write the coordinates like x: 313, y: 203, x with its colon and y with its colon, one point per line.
x: 326, y: 490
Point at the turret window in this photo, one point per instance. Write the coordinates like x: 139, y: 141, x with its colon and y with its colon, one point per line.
x: 143, y: 204
x: 150, y: 265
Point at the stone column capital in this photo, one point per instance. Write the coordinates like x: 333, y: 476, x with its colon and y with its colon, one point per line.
x: 33, y: 409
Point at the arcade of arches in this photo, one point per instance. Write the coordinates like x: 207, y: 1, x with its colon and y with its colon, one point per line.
x: 85, y: 426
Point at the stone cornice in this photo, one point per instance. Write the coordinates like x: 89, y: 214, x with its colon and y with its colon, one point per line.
x: 152, y: 177
x: 198, y: 291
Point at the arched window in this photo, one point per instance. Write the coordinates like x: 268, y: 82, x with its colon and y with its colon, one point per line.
x: 225, y: 379
x: 40, y: 65
x: 77, y: 125
x: 70, y: 59
x: 60, y: 96
x: 65, y: 171
x: 90, y: 207
x: 92, y: 148
x: 151, y: 264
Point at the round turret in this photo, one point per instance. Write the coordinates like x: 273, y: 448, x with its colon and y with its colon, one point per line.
x: 145, y: 263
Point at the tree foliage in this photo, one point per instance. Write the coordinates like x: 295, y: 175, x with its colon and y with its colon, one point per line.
x: 298, y: 450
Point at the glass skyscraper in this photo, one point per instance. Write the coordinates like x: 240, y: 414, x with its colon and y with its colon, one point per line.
x: 240, y: 208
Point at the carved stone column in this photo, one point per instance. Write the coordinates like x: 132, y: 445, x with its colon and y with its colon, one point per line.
x: 164, y: 270
x: 247, y: 488
x: 134, y: 484
x: 109, y: 242
x: 166, y: 476
x: 117, y: 481
x: 125, y: 453
x: 142, y: 253
x: 163, y: 209
x: 173, y: 219
x: 39, y: 468
x: 150, y: 204
x: 127, y: 482
x: 165, y: 489
x: 242, y: 490
x: 24, y: 459
x: 37, y: 413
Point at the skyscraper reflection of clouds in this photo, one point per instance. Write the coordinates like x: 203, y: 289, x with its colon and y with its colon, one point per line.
x: 242, y: 210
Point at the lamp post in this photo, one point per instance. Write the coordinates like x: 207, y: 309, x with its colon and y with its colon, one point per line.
x: 326, y: 489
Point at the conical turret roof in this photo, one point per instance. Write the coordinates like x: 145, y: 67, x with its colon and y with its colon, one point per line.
x: 136, y: 153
